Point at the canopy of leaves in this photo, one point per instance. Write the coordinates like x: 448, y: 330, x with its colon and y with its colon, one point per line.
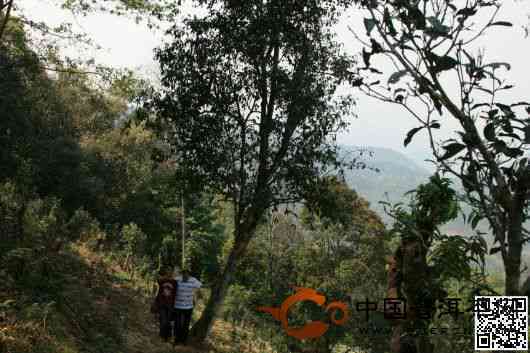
x: 255, y: 81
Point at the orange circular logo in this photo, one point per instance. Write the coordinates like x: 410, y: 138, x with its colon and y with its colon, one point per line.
x: 313, y: 329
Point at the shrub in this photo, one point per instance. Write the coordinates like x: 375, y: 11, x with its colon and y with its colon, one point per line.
x: 11, y: 206
x: 44, y: 224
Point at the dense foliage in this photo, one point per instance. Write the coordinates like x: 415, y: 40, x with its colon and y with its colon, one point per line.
x: 230, y: 168
x: 431, y: 46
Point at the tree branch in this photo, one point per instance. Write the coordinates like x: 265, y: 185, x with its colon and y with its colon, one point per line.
x: 6, y: 18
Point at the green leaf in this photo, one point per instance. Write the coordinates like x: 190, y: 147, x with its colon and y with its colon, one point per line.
x: 519, y: 104
x: 437, y: 28
x: 366, y: 57
x: 507, y: 127
x: 417, y: 17
x: 451, y: 150
x: 514, y: 136
x: 445, y: 63
x: 482, y: 242
x: 466, y: 12
x: 435, y: 33
x: 500, y: 146
x: 492, y: 113
x: 527, y: 134
x: 497, y: 65
x: 357, y: 82
x: 388, y: 22
x: 475, y: 106
x: 502, y: 23
x: 411, y: 134
x: 489, y: 132
x: 435, y: 22
x: 394, y: 78
x: 435, y: 125
x: 495, y: 250
x: 505, y: 108
x: 376, y: 47
x: 513, y: 152
x: 369, y: 24
x: 423, y: 84
x: 475, y: 220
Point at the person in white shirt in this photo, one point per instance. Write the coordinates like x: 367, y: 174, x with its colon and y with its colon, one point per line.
x: 184, y: 305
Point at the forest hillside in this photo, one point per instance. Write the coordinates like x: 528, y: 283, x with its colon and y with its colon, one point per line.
x: 93, y: 305
x: 220, y: 171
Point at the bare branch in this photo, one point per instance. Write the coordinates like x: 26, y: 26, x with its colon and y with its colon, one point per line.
x: 6, y: 18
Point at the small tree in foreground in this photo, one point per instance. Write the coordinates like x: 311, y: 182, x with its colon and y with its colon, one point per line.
x: 248, y: 102
x: 430, y: 45
x: 426, y: 261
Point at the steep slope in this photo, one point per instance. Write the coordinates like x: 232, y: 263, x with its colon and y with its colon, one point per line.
x: 98, y: 309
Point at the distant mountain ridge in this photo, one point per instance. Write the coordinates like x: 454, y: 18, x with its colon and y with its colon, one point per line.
x: 397, y: 175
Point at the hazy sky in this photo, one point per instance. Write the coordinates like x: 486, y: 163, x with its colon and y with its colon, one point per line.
x: 384, y: 125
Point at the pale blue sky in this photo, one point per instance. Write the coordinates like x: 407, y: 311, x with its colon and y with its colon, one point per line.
x: 130, y: 45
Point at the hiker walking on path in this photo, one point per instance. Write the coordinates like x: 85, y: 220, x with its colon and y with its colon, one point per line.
x: 184, y: 305
x: 164, y: 302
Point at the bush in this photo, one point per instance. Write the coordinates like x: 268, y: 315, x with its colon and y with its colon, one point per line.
x: 11, y: 206
x: 133, y: 239
x: 44, y: 224
x: 18, y: 263
x: 82, y: 226
x: 134, y: 242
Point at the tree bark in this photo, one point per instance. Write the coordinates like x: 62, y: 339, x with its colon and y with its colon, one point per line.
x: 4, y: 18
x: 415, y: 279
x: 408, y: 275
x: 202, y: 327
x: 512, y: 263
x: 525, y: 290
x: 394, y: 292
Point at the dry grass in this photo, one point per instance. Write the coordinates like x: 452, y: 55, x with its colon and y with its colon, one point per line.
x: 142, y: 327
x: 104, y: 309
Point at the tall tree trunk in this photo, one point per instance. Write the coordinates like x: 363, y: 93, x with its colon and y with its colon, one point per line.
x: 512, y: 263
x: 415, y: 279
x: 408, y: 275
x: 245, y: 224
x: 394, y: 292
x: 202, y: 327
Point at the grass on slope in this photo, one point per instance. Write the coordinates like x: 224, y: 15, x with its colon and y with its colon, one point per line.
x: 92, y: 306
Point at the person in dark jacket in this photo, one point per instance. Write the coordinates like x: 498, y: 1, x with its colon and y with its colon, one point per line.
x: 165, y: 299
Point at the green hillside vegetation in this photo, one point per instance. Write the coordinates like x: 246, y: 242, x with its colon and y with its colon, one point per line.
x: 227, y: 167
x: 91, y: 304
x: 390, y: 175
